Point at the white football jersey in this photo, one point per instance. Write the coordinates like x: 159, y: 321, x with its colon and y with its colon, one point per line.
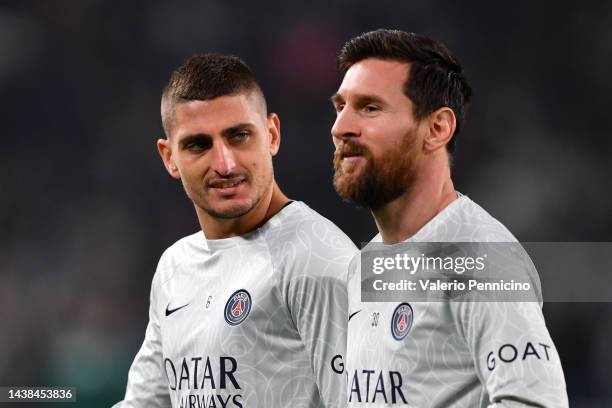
x: 451, y: 354
x: 252, y: 321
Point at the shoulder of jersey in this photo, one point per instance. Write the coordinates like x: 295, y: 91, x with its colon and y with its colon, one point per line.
x: 176, y: 253
x: 482, y: 226
x: 299, y: 222
x: 462, y: 221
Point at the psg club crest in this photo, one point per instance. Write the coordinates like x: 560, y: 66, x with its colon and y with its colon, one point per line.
x: 237, y: 307
x: 401, y: 322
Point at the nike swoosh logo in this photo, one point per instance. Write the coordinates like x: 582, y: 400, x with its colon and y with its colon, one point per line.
x: 170, y: 311
x: 353, y: 314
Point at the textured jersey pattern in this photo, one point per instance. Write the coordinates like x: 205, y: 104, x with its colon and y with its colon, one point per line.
x: 251, y: 321
x: 455, y: 354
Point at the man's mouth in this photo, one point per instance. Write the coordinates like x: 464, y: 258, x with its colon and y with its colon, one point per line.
x: 351, y: 158
x: 229, y: 183
x: 350, y: 155
x: 351, y: 150
x: 348, y: 162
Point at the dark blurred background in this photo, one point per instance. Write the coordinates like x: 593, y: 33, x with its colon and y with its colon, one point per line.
x: 86, y: 207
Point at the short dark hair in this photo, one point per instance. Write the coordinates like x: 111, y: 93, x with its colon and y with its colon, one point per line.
x: 436, y: 77
x: 204, y: 77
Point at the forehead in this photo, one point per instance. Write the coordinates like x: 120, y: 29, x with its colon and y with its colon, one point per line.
x: 215, y: 115
x: 377, y: 77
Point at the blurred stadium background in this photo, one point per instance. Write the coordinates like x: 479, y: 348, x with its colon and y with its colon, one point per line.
x: 86, y: 208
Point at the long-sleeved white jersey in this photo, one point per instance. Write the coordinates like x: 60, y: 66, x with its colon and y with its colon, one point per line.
x: 252, y: 321
x: 451, y: 354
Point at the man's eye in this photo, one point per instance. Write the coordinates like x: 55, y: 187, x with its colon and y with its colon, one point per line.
x: 197, y: 145
x: 371, y: 108
x: 339, y: 107
x: 240, y: 136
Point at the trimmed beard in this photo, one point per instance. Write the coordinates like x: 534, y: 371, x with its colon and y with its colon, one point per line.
x: 239, y: 211
x: 232, y: 212
x: 382, y: 179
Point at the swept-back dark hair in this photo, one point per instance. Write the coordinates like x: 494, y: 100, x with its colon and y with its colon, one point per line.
x: 436, y: 77
x: 204, y: 77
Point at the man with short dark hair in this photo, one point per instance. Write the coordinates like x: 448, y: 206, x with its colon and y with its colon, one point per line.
x: 399, y: 109
x: 250, y: 311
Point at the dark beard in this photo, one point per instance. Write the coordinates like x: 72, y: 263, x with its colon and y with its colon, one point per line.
x: 231, y: 213
x: 382, y: 180
x: 236, y: 212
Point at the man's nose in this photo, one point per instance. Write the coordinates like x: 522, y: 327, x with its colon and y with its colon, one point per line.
x: 224, y: 161
x: 345, y: 126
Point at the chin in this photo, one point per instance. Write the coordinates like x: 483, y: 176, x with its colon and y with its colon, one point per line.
x: 230, y: 210
x: 223, y: 208
x: 347, y: 181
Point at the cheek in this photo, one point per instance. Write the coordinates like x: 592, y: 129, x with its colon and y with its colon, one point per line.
x: 258, y: 160
x: 394, y: 132
x: 194, y: 171
x: 261, y: 171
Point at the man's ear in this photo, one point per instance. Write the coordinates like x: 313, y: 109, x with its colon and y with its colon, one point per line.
x: 274, y: 132
x: 442, y: 124
x: 163, y: 147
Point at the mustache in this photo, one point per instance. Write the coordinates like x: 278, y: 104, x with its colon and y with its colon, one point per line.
x: 214, y: 181
x: 347, y: 149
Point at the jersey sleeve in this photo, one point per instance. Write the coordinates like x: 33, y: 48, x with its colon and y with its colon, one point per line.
x: 318, y: 303
x: 147, y: 385
x: 513, y: 353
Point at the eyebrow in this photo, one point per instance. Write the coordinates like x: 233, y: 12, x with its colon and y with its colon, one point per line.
x: 241, y: 126
x: 225, y: 132
x: 336, y: 98
x: 361, y: 99
x: 191, y: 138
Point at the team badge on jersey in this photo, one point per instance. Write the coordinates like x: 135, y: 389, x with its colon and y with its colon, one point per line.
x: 237, y: 307
x: 401, y: 321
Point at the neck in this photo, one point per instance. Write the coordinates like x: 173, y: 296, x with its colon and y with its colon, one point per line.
x: 403, y: 217
x: 217, y: 228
